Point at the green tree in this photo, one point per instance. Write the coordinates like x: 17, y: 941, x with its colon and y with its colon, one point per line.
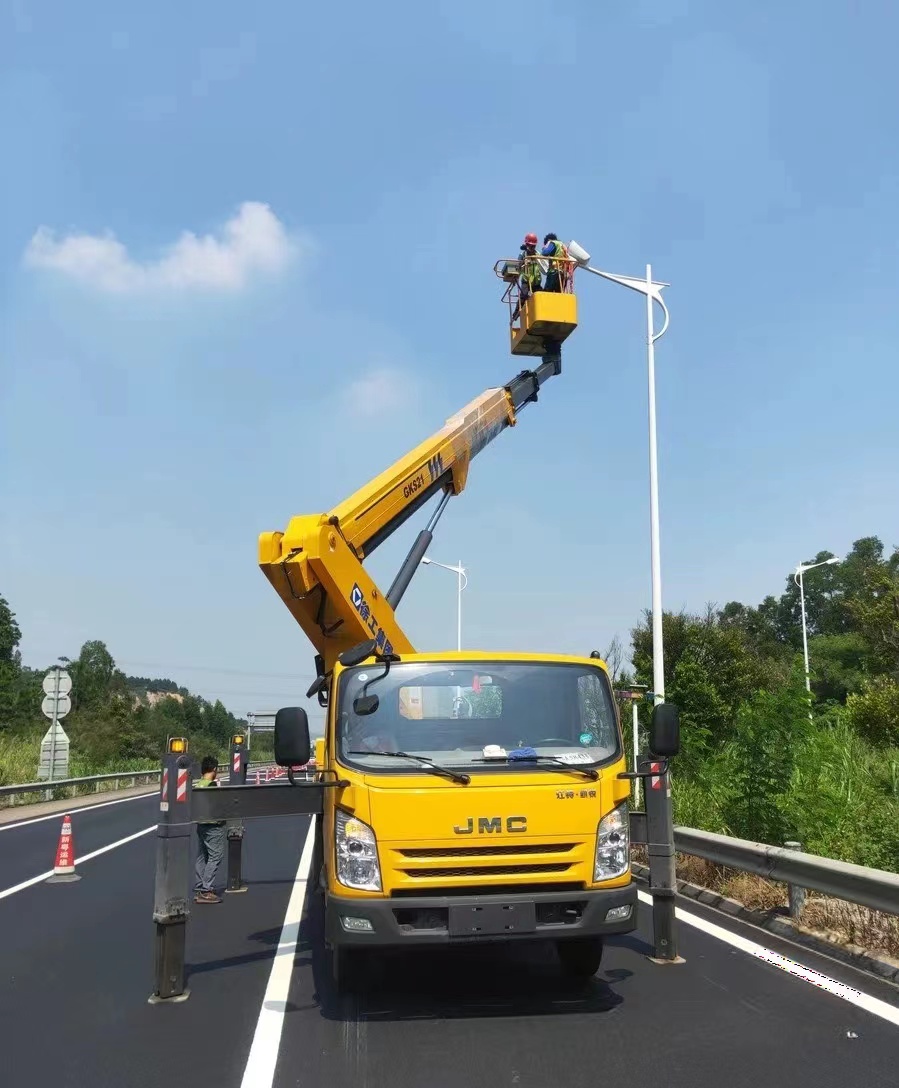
x: 10, y: 635
x: 875, y: 611
x: 770, y: 728
x: 874, y: 712
x: 711, y: 668
x: 825, y: 607
x: 94, y: 675
x: 10, y: 667
x: 838, y: 665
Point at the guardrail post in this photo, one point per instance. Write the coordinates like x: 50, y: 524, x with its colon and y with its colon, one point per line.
x: 796, y: 894
x: 170, y: 910
x: 237, y: 777
x: 662, y: 877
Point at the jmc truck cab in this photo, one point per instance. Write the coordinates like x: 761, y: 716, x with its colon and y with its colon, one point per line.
x: 474, y: 798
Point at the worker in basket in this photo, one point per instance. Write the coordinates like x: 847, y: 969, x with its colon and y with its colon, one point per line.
x: 531, y: 279
x: 557, y: 276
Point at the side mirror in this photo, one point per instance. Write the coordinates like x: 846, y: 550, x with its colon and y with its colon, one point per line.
x: 292, y: 747
x: 664, y: 730
x: 366, y: 704
x: 357, y: 654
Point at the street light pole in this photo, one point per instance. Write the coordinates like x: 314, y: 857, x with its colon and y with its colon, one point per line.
x: 658, y: 669
x: 808, y: 683
x: 798, y: 579
x: 462, y: 582
x: 652, y: 290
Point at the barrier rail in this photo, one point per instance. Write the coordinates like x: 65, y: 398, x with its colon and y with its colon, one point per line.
x: 874, y: 888
x: 98, y: 779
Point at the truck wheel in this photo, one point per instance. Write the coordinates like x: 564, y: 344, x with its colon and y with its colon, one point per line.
x: 346, y: 969
x: 581, y: 956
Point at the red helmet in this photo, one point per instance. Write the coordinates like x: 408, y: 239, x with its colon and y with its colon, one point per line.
x: 530, y: 239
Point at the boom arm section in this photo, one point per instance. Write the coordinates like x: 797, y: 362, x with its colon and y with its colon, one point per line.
x: 316, y: 565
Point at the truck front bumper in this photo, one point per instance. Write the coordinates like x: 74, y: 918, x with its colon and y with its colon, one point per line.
x: 466, y: 919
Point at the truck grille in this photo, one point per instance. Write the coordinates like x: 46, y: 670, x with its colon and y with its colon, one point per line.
x: 487, y: 851
x: 487, y: 871
x: 519, y: 888
x: 422, y: 869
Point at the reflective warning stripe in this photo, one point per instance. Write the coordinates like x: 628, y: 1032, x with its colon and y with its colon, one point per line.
x: 164, y: 791
x: 181, y: 791
x: 237, y: 762
x: 656, y: 781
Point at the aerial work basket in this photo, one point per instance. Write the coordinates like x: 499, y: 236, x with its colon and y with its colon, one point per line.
x: 538, y: 318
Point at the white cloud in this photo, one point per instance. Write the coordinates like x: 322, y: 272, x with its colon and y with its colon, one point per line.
x: 384, y: 389
x: 253, y: 241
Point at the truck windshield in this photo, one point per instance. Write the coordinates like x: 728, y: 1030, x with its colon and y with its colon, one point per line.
x: 471, y: 714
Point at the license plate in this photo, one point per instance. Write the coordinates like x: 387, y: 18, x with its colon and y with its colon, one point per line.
x: 492, y: 919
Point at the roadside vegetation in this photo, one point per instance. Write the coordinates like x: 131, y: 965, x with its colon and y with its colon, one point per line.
x: 753, y: 764
x: 117, y: 723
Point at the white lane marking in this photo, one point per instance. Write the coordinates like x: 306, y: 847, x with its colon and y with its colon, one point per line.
x: 838, y: 989
x: 76, y: 809
x: 263, y: 1056
x: 78, y: 860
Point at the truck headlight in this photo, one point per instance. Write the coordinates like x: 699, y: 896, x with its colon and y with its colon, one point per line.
x: 613, y: 846
x: 357, y: 854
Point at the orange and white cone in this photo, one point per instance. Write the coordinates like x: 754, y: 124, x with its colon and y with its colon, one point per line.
x: 64, y: 869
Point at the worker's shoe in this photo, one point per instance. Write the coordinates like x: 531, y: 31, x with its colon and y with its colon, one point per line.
x: 207, y: 897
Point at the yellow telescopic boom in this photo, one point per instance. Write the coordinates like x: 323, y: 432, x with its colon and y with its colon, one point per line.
x: 316, y: 564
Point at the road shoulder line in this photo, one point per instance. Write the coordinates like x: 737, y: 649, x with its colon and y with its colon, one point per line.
x: 263, y: 1057
x: 68, y: 806
x: 855, y: 997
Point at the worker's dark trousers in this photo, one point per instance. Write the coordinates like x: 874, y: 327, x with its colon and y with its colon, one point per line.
x: 553, y: 282
x: 525, y: 291
x: 212, y: 840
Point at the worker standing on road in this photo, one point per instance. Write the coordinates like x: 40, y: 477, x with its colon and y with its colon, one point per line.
x: 557, y: 275
x: 211, y: 835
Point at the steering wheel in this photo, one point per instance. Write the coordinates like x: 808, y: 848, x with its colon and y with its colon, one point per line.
x: 552, y: 740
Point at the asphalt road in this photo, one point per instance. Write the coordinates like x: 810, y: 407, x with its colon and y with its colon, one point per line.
x: 76, y: 971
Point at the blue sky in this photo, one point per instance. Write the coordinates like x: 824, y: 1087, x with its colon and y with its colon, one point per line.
x: 164, y: 401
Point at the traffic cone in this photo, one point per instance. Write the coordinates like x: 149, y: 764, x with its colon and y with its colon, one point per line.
x: 64, y: 869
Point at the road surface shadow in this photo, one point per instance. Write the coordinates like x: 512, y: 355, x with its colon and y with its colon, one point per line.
x: 266, y: 937
x: 463, y: 982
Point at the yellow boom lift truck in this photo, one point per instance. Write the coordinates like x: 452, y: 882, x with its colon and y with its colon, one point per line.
x: 461, y: 797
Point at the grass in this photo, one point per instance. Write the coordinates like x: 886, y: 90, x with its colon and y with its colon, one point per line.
x: 19, y: 755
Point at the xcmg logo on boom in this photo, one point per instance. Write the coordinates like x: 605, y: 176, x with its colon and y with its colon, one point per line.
x: 385, y: 646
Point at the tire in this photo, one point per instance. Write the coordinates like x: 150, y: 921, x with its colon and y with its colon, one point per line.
x: 318, y: 858
x: 580, y: 957
x: 346, y: 969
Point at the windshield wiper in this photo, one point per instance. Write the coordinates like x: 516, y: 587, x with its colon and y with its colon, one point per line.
x: 427, y: 763
x: 587, y: 772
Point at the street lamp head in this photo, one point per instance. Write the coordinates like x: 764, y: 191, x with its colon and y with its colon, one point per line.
x: 803, y: 567
x: 578, y: 253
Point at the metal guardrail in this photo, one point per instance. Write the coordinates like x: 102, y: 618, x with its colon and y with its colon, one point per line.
x: 98, y: 779
x: 872, y: 888
x: 65, y: 783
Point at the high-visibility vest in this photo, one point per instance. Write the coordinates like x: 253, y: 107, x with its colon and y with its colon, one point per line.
x: 532, y: 271
x: 559, y: 251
